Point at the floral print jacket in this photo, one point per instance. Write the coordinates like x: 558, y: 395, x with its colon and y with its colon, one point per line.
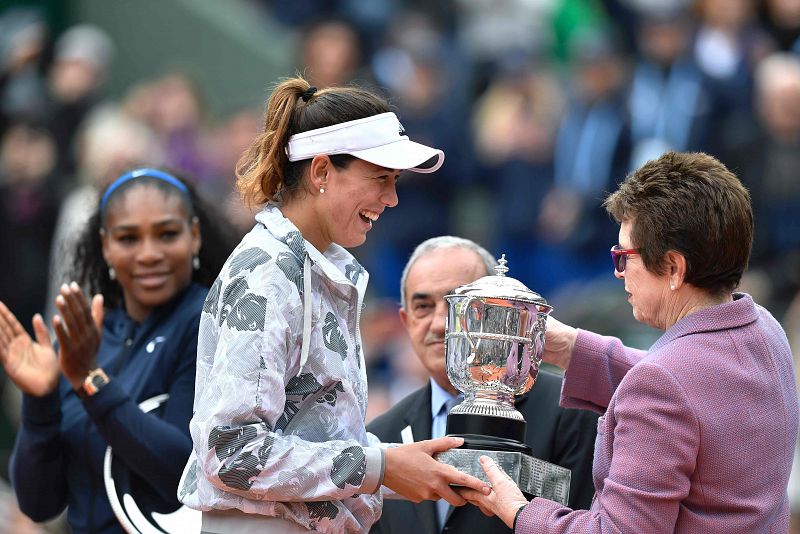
x: 273, y: 434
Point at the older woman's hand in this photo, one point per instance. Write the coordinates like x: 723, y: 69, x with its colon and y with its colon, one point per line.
x: 559, y: 342
x: 504, y: 500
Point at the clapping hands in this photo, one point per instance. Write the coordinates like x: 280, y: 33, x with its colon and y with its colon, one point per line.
x: 33, y: 365
x: 78, y: 332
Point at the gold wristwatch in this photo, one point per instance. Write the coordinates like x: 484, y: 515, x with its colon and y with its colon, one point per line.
x: 94, y: 382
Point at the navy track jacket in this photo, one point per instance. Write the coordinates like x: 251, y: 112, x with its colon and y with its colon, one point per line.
x: 58, y: 456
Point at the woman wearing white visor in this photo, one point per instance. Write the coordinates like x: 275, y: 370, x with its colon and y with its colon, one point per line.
x: 281, y: 392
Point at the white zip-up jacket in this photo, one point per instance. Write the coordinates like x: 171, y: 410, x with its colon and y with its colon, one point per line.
x: 279, y: 430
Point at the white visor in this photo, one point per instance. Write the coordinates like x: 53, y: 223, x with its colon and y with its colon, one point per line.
x: 377, y: 139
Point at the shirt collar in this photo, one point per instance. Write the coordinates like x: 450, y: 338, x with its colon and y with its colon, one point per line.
x: 439, y: 397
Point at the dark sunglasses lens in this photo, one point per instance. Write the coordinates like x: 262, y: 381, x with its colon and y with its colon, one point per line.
x: 619, y: 261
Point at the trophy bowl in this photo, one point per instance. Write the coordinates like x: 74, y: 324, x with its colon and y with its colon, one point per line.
x: 494, y: 343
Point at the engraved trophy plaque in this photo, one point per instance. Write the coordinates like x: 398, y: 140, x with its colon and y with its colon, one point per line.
x: 494, y: 343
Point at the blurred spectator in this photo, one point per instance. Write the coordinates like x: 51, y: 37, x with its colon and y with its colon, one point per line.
x: 80, y: 63
x: 173, y: 107
x: 768, y: 164
x: 28, y: 208
x: 179, y: 117
x: 515, y: 123
x: 670, y: 108
x: 591, y: 155
x: 727, y: 46
x: 231, y: 139
x: 331, y: 53
x: 371, y: 18
x: 487, y: 30
x: 781, y: 19
x: 23, y: 36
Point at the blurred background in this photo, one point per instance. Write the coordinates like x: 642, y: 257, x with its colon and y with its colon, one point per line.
x: 542, y: 107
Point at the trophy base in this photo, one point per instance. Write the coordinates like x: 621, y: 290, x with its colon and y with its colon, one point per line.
x: 534, y: 477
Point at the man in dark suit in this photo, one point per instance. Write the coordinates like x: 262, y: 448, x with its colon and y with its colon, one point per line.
x: 557, y: 435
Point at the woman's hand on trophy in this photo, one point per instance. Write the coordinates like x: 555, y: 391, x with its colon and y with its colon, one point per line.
x: 411, y: 471
x: 559, y: 342
x: 31, y: 365
x: 504, y: 500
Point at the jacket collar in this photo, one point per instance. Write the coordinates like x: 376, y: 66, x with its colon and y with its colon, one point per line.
x: 336, y: 263
x: 742, y: 311
x: 117, y: 319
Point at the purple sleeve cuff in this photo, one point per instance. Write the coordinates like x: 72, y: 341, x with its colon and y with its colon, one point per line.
x: 581, y: 372
x: 534, y: 515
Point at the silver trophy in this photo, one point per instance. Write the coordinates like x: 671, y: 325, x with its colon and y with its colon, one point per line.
x: 494, y: 342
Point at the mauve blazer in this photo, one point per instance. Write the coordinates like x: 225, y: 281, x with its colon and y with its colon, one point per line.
x: 699, y: 432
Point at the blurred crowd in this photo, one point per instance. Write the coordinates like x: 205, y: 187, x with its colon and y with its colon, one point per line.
x: 541, y: 106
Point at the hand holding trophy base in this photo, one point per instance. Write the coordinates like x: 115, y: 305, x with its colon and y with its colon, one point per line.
x: 494, y: 344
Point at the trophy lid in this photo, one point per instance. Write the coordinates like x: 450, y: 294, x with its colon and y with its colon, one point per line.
x: 500, y: 286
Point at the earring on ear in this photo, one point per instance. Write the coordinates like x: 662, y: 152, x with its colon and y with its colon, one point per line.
x: 196, y: 263
x: 321, y: 190
x: 112, y: 273
x: 672, y: 287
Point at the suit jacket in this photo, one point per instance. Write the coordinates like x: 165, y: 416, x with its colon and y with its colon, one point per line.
x: 699, y: 433
x: 561, y: 436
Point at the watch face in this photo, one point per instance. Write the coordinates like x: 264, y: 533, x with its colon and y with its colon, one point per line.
x: 99, y: 381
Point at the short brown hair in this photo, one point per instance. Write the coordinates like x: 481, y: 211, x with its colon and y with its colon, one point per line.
x: 265, y: 171
x: 692, y: 204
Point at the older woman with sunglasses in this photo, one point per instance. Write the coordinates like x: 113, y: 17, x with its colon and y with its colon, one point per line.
x: 698, y: 432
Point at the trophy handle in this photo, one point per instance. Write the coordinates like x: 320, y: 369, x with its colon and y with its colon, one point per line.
x: 462, y: 318
x: 536, y: 335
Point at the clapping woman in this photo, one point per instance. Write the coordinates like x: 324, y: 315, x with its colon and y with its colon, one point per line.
x: 147, y: 254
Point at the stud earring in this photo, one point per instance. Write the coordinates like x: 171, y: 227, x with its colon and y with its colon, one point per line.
x: 672, y: 287
x: 196, y: 263
x: 112, y: 273
x: 321, y: 190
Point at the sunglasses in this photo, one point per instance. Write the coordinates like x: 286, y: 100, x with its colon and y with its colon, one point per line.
x: 620, y: 256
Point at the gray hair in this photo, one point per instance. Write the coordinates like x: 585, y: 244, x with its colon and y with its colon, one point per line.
x: 441, y: 242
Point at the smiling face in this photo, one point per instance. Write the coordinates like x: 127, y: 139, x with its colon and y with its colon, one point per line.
x: 647, y: 292
x: 354, y: 198
x: 430, y: 278
x: 149, y: 241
